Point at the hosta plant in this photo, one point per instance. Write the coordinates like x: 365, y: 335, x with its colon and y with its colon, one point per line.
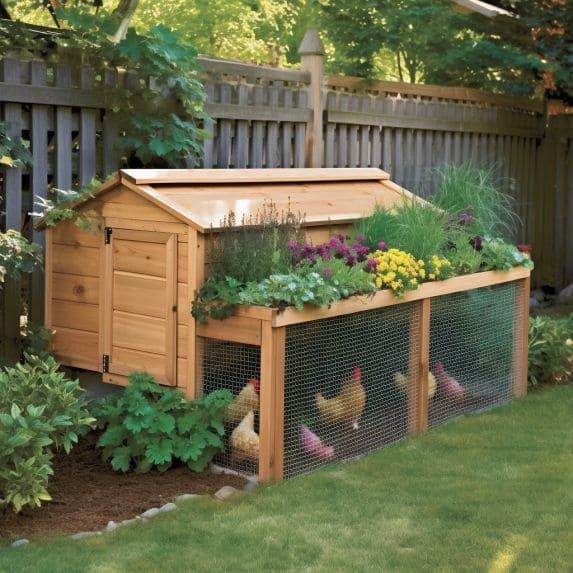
x: 149, y: 426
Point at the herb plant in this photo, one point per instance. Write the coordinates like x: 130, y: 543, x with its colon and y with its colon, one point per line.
x: 498, y: 254
x: 17, y: 255
x: 148, y: 426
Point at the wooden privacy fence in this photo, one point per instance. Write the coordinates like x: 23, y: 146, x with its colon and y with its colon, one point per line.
x: 269, y: 117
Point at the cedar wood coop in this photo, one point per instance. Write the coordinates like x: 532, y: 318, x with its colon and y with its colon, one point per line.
x: 119, y: 299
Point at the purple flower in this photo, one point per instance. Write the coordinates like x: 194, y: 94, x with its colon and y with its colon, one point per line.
x: 327, y: 272
x: 350, y: 260
x: 381, y: 245
x: 360, y: 238
x: 291, y: 245
x: 467, y: 218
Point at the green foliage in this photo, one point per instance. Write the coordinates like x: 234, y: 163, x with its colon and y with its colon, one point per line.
x: 470, y: 196
x: 149, y: 426
x: 14, y: 151
x: 40, y: 383
x: 40, y: 410
x: 414, y: 226
x: 158, y: 130
x: 25, y: 457
x: 61, y: 206
x: 497, y: 254
x: 37, y: 340
x: 461, y: 253
x: 216, y: 298
x: 550, y: 358
x: 17, y: 255
x: 256, y: 247
x: 308, y: 285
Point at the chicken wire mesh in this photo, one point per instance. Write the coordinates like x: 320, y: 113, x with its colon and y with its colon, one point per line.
x: 235, y: 367
x: 345, y: 381
x: 472, y: 345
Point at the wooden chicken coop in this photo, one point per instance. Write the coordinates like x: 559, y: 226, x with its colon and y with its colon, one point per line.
x: 119, y: 300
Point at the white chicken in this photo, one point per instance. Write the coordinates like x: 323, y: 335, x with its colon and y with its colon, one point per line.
x: 245, y: 441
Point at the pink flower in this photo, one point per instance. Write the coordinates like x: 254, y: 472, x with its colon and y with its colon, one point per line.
x: 326, y: 272
x: 381, y: 245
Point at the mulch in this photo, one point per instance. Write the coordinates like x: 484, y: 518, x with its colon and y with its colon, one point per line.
x: 87, y: 494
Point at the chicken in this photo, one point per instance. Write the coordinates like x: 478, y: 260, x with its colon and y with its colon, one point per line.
x: 245, y: 441
x: 245, y: 401
x: 347, y: 407
x: 448, y: 386
x: 402, y: 382
x: 312, y: 444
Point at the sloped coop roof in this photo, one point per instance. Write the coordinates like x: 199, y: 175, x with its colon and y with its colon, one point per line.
x: 202, y: 198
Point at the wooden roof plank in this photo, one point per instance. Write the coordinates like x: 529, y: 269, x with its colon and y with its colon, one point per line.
x: 217, y: 176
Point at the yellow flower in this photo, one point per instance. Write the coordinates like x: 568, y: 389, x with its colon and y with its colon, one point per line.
x: 422, y: 273
x: 431, y: 276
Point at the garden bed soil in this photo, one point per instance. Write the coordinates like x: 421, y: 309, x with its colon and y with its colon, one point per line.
x: 87, y: 494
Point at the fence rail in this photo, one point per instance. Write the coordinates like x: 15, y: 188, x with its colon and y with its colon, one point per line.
x: 269, y: 117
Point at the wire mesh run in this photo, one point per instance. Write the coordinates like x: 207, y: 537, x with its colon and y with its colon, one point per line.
x: 346, y: 384
x: 235, y: 367
x: 472, y: 350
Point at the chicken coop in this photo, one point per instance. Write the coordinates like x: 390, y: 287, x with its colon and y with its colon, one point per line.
x: 317, y: 386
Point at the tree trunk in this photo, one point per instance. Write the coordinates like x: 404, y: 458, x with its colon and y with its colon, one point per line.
x: 124, y: 12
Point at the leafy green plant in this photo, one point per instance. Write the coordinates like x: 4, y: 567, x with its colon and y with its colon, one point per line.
x: 17, y: 255
x: 25, y: 456
x: 380, y: 225
x: 462, y: 253
x: 498, y: 254
x: 256, y: 247
x: 40, y: 410
x: 14, y: 151
x: 148, y: 426
x: 36, y: 341
x: 157, y: 130
x: 469, y: 195
x: 550, y: 358
x: 216, y: 299
x: 60, y: 206
x: 39, y: 382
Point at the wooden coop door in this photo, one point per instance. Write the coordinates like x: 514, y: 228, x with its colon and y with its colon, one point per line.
x: 141, y: 304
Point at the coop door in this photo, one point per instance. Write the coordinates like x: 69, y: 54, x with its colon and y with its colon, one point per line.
x: 140, y: 321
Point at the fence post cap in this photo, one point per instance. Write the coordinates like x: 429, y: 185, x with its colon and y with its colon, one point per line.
x: 311, y: 44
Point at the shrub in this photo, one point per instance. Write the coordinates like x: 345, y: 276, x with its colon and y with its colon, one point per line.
x: 550, y: 358
x: 39, y: 382
x: 148, y: 426
x: 40, y: 410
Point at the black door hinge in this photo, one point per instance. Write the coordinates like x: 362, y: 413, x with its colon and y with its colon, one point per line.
x: 105, y: 363
x: 108, y: 232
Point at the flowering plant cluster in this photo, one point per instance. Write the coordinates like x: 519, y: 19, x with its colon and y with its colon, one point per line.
x: 439, y: 268
x: 397, y: 270
x: 336, y: 248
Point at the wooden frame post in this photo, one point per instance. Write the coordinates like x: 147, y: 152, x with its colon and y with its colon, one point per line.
x: 195, y: 279
x: 418, y: 368
x: 311, y: 53
x: 271, y: 421
x: 521, y: 337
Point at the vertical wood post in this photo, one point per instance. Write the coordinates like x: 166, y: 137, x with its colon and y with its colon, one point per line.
x: 521, y: 338
x: 195, y: 278
x: 418, y: 368
x: 311, y: 53
x: 271, y: 421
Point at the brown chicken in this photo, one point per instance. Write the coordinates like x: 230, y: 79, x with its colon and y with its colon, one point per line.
x: 347, y: 407
x: 402, y: 382
x: 245, y: 441
x: 245, y: 401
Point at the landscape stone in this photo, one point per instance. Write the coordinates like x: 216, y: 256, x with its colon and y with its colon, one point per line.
x: 167, y: 507
x: 150, y: 513
x: 186, y: 496
x: 129, y: 521
x: 566, y: 295
x: 251, y: 485
x: 225, y: 492
x: 20, y: 542
x: 111, y: 525
x: 83, y: 534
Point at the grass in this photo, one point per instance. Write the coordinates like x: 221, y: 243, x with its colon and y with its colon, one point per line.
x: 487, y: 493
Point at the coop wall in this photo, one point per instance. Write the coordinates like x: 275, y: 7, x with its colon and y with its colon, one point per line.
x: 324, y: 418
x: 474, y: 336
x: 73, y: 288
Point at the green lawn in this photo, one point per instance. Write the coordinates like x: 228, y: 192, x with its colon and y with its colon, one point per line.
x: 491, y: 493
